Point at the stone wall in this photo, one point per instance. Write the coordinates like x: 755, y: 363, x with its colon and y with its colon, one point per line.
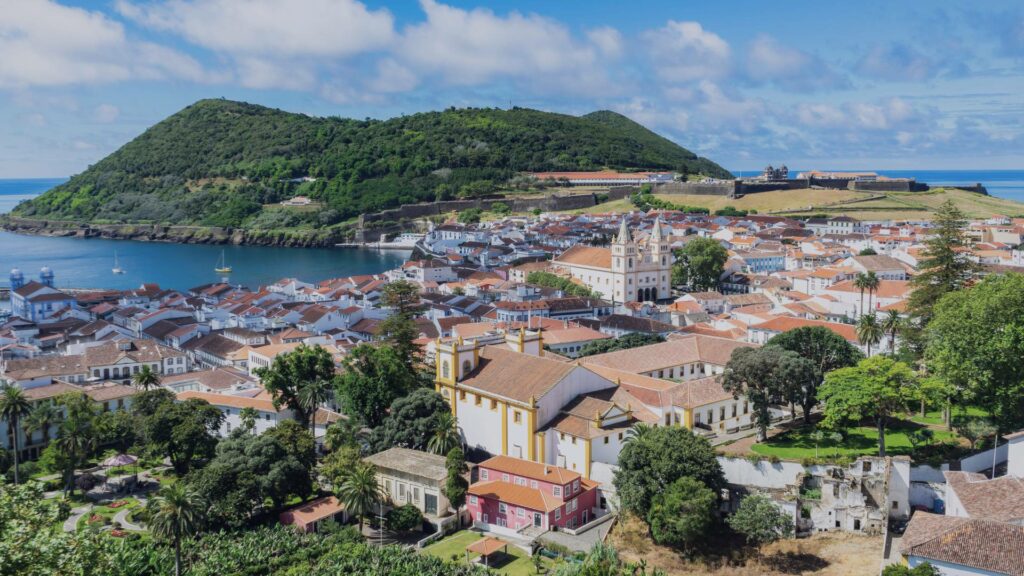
x: 520, y: 204
x: 887, y: 186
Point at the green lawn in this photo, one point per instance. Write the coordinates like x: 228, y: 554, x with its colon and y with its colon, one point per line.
x: 107, y: 512
x: 860, y: 441
x: 934, y: 417
x: 455, y: 545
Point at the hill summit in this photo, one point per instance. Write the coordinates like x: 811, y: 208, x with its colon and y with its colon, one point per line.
x: 223, y: 163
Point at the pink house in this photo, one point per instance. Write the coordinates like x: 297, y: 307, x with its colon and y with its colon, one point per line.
x: 512, y: 494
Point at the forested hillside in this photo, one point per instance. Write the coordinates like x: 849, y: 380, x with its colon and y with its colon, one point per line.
x: 219, y: 162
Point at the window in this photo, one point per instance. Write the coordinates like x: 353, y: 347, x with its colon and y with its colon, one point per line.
x: 561, y: 435
x: 445, y: 370
x: 502, y: 508
x: 721, y: 413
x: 533, y: 484
x: 466, y: 368
x: 462, y: 395
x: 483, y: 474
x: 556, y: 490
x: 415, y: 493
x: 477, y: 399
x: 387, y: 488
x: 733, y: 410
x: 504, y: 477
x: 573, y: 439
x: 521, y: 513
x: 520, y: 481
x: 558, y: 513
x: 494, y: 404
x: 575, y: 485
x: 473, y: 500
x: 401, y: 491
x: 517, y: 416
x: 620, y: 435
x: 606, y: 439
x: 746, y: 407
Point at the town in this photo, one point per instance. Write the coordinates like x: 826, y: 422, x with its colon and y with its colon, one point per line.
x: 534, y: 389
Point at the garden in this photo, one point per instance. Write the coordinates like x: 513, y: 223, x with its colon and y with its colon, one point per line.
x: 517, y: 562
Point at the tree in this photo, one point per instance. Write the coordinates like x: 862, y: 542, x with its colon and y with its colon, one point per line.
x: 446, y: 436
x: 892, y: 324
x: 976, y: 342
x: 456, y: 485
x: 245, y: 473
x: 373, y: 378
x: 876, y: 388
x: 247, y: 416
x: 183, y: 431
x: 470, y: 216
x: 148, y: 402
x: 146, y: 378
x: 117, y: 428
x: 860, y: 282
x: 760, y: 521
x: 42, y: 416
x: 14, y: 406
x: 175, y: 514
x: 682, y: 514
x: 826, y: 351
x: 291, y: 372
x: 945, y: 266
x: 869, y: 331
x: 625, y: 342
x: 869, y: 251
x: 296, y: 441
x: 341, y: 434
x: 871, y: 283
x: 311, y: 396
x: 658, y: 458
x: 411, y: 422
x: 359, y: 491
x: 763, y: 375
x: 399, y: 328
x: 699, y: 264
x: 404, y: 518
x: 974, y: 429
x: 77, y: 435
x: 922, y: 569
x: 920, y: 437
x: 500, y: 209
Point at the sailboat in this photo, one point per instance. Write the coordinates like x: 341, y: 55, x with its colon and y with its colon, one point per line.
x: 222, y: 265
x: 117, y: 267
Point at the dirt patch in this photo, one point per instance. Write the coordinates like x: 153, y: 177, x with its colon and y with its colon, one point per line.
x: 826, y: 554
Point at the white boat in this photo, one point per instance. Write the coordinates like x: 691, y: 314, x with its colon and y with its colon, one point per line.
x: 222, y: 265
x: 117, y: 267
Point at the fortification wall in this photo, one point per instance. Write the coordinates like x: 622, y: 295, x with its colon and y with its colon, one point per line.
x: 521, y: 204
x: 887, y: 186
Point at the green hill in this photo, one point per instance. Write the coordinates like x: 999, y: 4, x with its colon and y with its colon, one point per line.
x: 219, y: 162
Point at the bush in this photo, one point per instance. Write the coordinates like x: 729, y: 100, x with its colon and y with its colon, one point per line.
x: 404, y: 518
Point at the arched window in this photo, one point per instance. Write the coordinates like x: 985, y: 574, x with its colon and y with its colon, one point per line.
x: 466, y: 367
x: 630, y: 262
x: 445, y: 369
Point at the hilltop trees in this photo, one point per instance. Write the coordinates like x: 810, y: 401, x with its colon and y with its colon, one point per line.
x: 699, y: 264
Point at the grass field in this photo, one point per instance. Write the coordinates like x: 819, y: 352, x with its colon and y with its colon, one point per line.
x: 934, y: 417
x: 861, y: 205
x: 860, y: 441
x: 519, y: 563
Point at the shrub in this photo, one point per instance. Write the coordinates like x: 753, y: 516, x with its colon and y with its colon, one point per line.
x: 404, y: 518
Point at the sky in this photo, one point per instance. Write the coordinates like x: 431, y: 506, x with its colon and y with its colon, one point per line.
x: 926, y: 84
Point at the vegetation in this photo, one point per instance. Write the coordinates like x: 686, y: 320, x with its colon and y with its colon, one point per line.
x: 699, y: 264
x: 411, y: 422
x: 181, y: 431
x: 298, y: 380
x: 764, y: 375
x: 826, y: 350
x: 852, y: 441
x: 14, y: 406
x: 404, y: 518
x: 876, y: 388
x: 760, y: 521
x: 682, y: 514
x: 374, y: 377
x: 549, y: 280
x: 175, y: 513
x: 359, y: 491
x: 645, y: 201
x: 923, y: 569
x: 631, y: 340
x: 456, y: 485
x: 399, y: 328
x: 974, y: 344
x: 217, y: 162
x: 654, y: 457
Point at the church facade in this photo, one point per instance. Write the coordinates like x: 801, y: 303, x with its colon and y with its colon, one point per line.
x: 628, y: 271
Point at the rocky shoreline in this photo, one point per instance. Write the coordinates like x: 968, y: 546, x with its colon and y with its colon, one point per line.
x: 174, y: 234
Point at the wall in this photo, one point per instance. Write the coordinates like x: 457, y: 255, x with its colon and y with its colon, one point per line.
x: 521, y: 204
x: 983, y: 460
x: 925, y: 494
x: 763, y: 474
x: 888, y: 186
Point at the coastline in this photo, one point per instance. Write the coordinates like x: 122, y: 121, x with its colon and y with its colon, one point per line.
x: 173, y: 233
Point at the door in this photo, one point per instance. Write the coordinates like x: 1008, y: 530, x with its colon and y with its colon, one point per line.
x: 537, y: 519
x: 430, y: 503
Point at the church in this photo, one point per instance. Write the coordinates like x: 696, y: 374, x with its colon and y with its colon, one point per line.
x: 628, y: 271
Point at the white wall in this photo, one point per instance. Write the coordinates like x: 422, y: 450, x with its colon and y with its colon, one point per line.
x: 764, y: 474
x: 983, y: 460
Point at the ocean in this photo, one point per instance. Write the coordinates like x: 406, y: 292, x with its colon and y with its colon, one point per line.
x: 1008, y: 184
x: 87, y: 262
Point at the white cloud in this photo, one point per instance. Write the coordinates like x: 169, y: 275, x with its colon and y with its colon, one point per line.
x: 770, y: 61
x: 473, y: 46
x: 273, y: 28
x: 684, y: 51
x: 106, y: 113
x: 608, y: 40
x: 898, y: 62
x: 43, y: 43
x: 393, y: 77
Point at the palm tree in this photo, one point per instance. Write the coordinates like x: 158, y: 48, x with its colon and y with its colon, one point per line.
x: 638, y: 432
x: 446, y: 434
x: 14, y: 406
x: 359, y: 491
x: 892, y: 324
x: 869, y: 331
x: 176, y: 513
x: 311, y: 396
x: 860, y: 282
x: 40, y: 418
x: 871, y: 283
x: 248, y: 417
x: 146, y: 378
x: 75, y: 440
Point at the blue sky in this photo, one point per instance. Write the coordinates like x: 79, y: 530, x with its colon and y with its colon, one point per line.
x: 867, y: 84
